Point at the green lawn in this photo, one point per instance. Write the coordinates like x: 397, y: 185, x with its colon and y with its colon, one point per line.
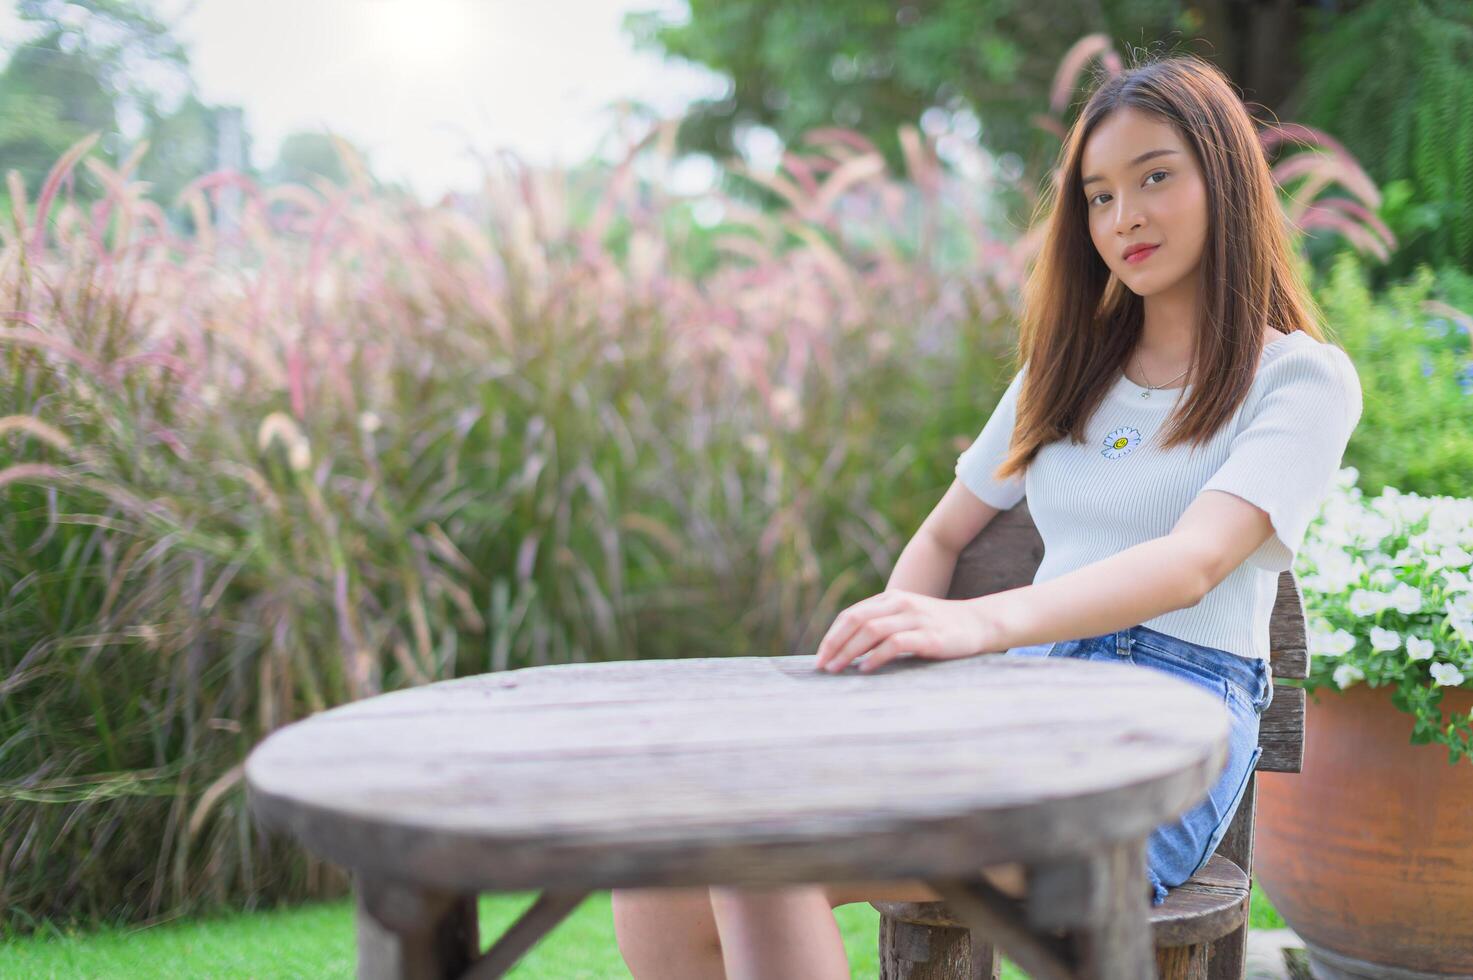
x: 316, y: 940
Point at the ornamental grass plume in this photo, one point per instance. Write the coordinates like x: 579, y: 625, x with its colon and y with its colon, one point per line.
x: 345, y: 443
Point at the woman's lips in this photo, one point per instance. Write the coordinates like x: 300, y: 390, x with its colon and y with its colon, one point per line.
x: 1142, y: 255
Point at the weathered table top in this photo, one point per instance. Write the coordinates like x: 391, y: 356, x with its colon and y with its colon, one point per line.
x: 745, y: 771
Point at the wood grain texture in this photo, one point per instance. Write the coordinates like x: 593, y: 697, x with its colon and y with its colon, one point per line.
x: 1182, y: 963
x: 1227, y: 957
x: 1108, y: 936
x: 1042, y: 955
x: 742, y: 771
x: 1207, y: 907
x: 1119, y: 946
x: 1211, y: 904
x: 912, y: 952
x: 1281, y: 731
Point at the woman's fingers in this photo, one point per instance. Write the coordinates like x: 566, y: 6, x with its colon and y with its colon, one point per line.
x: 905, y: 641
x: 842, y: 634
x: 870, y: 636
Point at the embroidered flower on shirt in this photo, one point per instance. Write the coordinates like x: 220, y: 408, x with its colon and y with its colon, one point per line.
x: 1120, y: 442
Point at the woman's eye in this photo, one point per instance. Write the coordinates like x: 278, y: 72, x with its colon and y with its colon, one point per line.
x: 1148, y: 177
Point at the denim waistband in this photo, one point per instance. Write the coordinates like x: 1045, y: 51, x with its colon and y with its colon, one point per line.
x: 1249, y: 673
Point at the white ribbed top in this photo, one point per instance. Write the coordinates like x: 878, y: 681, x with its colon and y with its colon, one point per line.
x: 1279, y: 451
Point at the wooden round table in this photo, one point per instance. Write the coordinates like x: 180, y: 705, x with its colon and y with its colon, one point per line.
x: 754, y: 771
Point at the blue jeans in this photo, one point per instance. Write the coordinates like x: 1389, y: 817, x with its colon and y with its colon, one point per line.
x: 1180, y: 848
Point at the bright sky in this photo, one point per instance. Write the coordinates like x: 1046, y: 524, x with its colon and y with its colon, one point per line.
x: 417, y: 82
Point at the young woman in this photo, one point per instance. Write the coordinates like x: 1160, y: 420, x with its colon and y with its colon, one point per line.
x: 1176, y: 419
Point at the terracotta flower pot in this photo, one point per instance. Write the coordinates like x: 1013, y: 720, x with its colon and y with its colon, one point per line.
x: 1368, y: 852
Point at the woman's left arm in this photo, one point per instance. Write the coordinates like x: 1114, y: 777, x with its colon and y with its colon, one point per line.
x: 1214, y: 535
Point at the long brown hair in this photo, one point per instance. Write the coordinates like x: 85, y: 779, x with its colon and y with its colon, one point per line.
x: 1080, y: 323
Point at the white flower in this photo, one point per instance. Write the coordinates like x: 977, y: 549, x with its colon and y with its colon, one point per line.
x: 1120, y: 442
x: 1366, y: 527
x: 1460, y: 614
x: 1455, y: 557
x: 1355, y: 554
x: 1405, y: 599
x: 369, y: 421
x: 1419, y: 649
x: 1449, y: 516
x: 1383, y: 639
x: 1409, y: 555
x: 1335, y: 569
x: 1323, y: 644
x: 1365, y: 602
x: 1347, y: 674
x: 1446, y: 675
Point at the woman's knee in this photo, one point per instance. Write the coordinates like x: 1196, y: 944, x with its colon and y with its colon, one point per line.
x: 665, y: 915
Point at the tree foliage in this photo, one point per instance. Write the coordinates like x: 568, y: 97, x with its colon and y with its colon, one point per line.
x: 1392, y: 80
x: 872, y: 65
x: 115, y: 67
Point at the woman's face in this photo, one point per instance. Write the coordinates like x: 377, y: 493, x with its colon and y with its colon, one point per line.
x: 1159, y: 201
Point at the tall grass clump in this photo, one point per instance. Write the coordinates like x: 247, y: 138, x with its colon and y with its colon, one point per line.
x: 340, y: 443
x: 348, y: 443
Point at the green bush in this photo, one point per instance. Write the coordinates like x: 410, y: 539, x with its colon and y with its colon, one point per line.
x: 1411, y: 348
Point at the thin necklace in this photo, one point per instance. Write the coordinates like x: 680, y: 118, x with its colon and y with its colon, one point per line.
x: 1151, y: 387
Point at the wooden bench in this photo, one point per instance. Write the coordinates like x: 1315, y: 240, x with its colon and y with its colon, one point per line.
x: 1201, y: 930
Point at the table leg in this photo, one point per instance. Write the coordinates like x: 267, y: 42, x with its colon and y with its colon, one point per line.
x: 1117, y: 943
x: 539, y: 919
x: 1081, y: 919
x: 407, y: 932
x: 1042, y: 953
x: 410, y: 933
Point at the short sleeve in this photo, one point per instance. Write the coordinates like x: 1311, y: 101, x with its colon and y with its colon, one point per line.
x: 1284, y: 460
x: 975, y: 465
